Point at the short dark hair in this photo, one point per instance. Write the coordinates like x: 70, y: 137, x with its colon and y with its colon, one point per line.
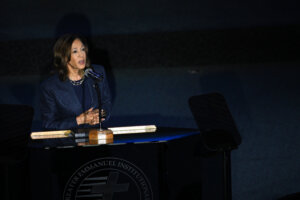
x: 62, y: 53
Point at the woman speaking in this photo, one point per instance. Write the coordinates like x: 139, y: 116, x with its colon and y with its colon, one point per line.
x: 69, y: 98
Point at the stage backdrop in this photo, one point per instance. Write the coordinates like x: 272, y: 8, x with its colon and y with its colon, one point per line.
x: 157, y: 55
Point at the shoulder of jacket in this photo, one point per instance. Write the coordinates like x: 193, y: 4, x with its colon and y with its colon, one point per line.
x: 98, y: 68
x: 50, y: 81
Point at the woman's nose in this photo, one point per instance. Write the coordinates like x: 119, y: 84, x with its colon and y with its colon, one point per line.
x: 80, y: 53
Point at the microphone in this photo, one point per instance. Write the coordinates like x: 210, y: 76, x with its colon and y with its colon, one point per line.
x: 90, y: 73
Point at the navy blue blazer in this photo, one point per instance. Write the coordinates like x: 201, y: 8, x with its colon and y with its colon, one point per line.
x: 60, y: 105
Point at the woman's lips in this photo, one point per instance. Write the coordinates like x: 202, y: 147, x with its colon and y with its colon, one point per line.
x: 81, y: 62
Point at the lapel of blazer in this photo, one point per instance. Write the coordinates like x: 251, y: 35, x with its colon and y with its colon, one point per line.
x: 68, y: 97
x: 91, y: 92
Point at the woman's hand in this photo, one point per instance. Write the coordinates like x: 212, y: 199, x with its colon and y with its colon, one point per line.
x: 90, y: 117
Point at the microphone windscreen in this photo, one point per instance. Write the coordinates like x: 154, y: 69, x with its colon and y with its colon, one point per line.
x: 90, y: 73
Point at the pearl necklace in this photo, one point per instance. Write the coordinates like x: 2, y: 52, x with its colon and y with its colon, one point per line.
x: 79, y: 82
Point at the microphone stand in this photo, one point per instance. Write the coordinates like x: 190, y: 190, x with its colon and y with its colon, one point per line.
x: 96, y: 86
x: 101, y: 134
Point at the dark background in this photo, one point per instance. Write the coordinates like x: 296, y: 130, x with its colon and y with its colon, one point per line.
x: 158, y: 54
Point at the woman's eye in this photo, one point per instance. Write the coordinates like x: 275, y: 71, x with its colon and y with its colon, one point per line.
x: 83, y: 49
x: 74, y: 51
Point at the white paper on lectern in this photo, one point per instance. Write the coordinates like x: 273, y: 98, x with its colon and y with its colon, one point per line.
x: 133, y: 129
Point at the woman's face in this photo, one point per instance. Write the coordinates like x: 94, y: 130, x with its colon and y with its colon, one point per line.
x: 78, y: 56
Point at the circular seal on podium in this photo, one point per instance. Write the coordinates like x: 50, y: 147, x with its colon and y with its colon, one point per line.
x: 108, y: 178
